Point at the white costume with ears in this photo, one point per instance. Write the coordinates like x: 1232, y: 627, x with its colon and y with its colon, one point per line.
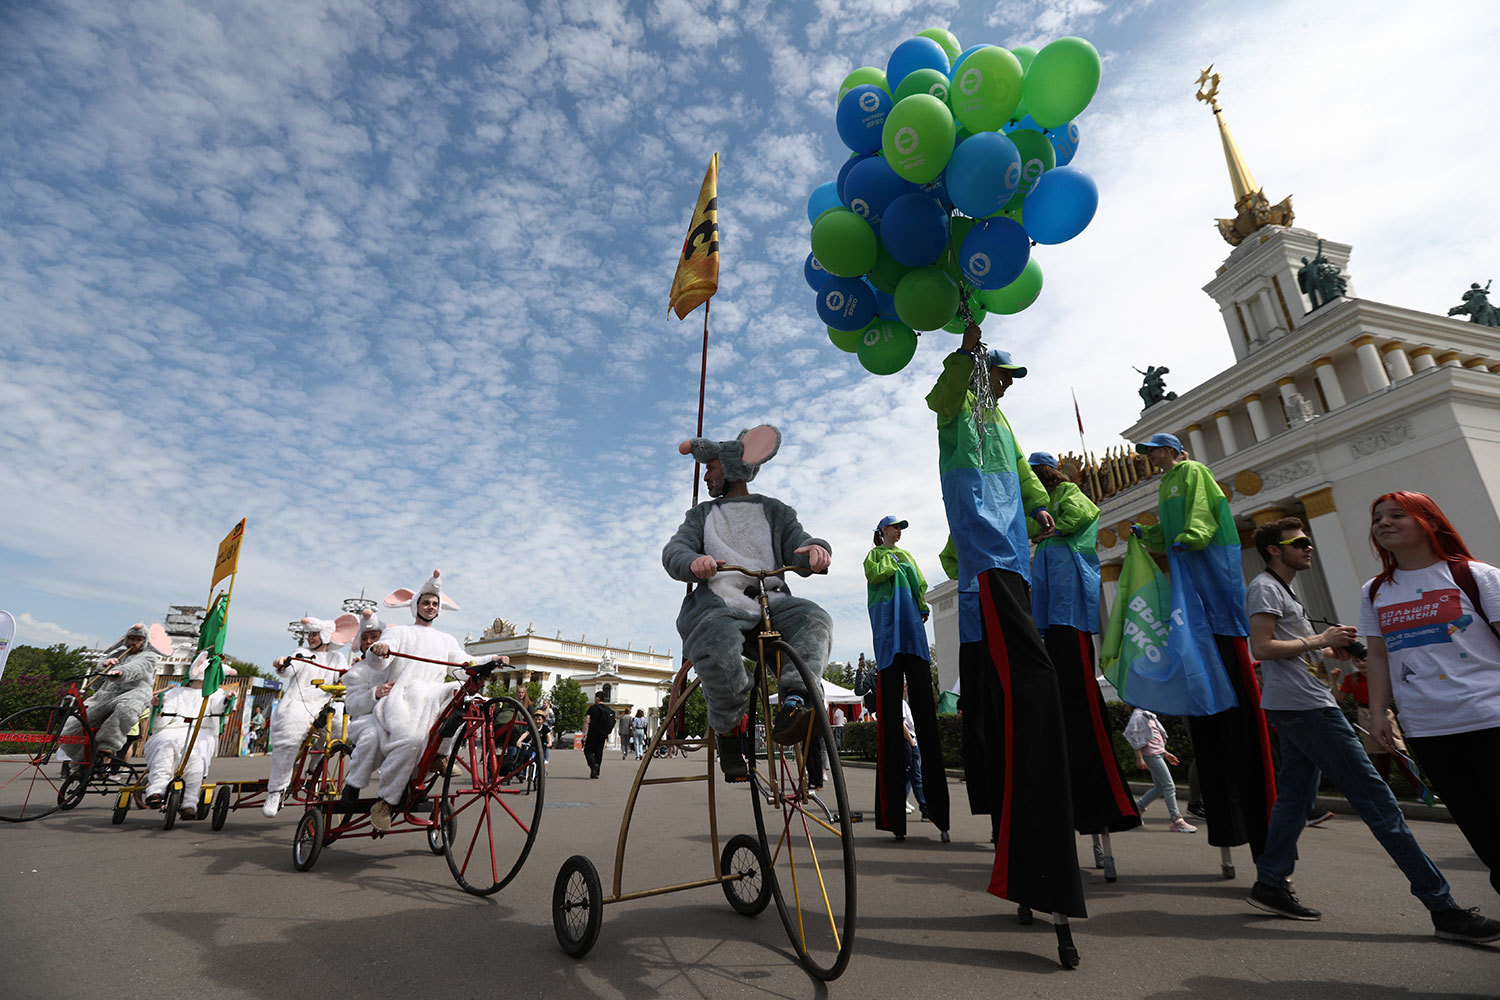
x: 300, y: 702
x: 359, y: 701
x: 402, y: 720
x: 119, y: 702
x: 174, y: 724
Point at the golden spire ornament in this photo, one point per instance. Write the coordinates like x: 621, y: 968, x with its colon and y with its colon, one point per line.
x: 1252, y: 209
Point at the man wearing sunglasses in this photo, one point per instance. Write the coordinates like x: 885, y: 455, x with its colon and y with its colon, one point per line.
x: 1315, y: 737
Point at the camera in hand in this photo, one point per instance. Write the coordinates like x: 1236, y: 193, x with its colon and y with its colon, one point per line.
x: 1357, y: 649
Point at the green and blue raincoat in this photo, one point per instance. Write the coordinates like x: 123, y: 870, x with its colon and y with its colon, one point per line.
x: 897, y: 594
x: 1065, y: 567
x: 1196, y: 522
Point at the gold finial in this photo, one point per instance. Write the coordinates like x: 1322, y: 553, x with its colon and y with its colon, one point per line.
x: 1208, y: 88
x: 1252, y: 209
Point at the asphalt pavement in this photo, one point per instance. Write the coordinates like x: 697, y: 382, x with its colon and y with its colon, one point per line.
x: 134, y: 911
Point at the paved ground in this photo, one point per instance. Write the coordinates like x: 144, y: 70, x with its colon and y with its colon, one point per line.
x: 132, y: 911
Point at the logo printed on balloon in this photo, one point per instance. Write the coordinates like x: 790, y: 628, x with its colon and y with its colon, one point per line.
x: 970, y: 81
x: 872, y: 337
x: 835, y: 300
x: 869, y: 101
x: 906, y: 140
x: 860, y: 208
x: 1032, y: 171
x: 939, y: 91
x: 1013, y: 175
x: 979, y: 265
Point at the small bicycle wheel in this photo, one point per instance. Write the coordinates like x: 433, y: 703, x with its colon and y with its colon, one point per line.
x: 173, y: 806
x: 223, y: 802
x: 489, y: 823
x: 750, y: 891
x: 440, y: 831
x: 577, y: 905
x: 33, y: 782
x: 307, y: 842
x: 122, y: 806
x: 810, y: 859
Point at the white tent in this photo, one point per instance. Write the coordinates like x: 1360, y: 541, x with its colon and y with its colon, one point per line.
x: 833, y: 694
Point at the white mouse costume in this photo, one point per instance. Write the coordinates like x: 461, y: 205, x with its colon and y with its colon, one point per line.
x: 119, y: 702
x: 359, y: 701
x: 300, y: 701
x: 174, y: 724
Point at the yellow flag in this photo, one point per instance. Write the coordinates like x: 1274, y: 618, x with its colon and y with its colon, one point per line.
x: 697, y: 276
x: 229, y: 554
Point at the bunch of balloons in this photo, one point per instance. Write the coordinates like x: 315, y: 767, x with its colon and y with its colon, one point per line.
x: 960, y: 163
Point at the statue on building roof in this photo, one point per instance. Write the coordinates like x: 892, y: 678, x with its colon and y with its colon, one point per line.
x: 1476, y: 306
x: 1153, y: 387
x: 1320, y: 279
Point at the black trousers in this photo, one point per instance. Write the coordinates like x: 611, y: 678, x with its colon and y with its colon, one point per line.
x: 1102, y: 802
x: 1461, y: 768
x: 984, y: 745
x: 1036, y: 854
x: 890, y: 750
x: 1233, y: 752
x: 593, y: 754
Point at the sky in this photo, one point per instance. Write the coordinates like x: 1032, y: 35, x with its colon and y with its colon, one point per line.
x: 390, y: 279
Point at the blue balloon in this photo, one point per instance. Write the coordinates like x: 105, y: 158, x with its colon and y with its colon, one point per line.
x: 1064, y: 139
x: 914, y: 229
x: 824, y: 197
x: 994, y: 253
x: 885, y: 305
x: 844, y: 172
x: 1061, y: 205
x: 982, y: 175
x: 912, y: 55
x: 938, y: 189
x: 846, y: 304
x: 814, y: 273
x: 871, y: 186
x: 861, y: 117
x: 953, y: 73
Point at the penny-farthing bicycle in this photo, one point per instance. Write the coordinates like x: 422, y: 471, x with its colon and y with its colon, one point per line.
x: 801, y: 856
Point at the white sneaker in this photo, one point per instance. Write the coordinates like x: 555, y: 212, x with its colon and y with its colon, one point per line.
x: 910, y: 808
x: 273, y: 804
x: 1180, y: 825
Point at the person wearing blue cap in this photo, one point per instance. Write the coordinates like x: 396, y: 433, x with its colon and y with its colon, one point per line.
x: 988, y: 492
x: 1233, y: 747
x: 898, y: 613
x: 1065, y: 603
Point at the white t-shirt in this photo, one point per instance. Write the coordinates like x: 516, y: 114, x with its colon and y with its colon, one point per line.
x: 1445, y: 661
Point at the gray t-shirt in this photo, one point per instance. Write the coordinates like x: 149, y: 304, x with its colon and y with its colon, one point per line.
x: 1287, y: 685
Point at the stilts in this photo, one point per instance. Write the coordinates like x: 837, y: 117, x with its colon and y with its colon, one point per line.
x: 1067, y: 954
x: 1226, y: 863
x: 1104, y: 857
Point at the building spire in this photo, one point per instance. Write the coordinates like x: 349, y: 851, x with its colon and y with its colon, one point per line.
x: 1252, y: 209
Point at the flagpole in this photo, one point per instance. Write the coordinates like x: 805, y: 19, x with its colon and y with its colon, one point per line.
x: 702, y: 389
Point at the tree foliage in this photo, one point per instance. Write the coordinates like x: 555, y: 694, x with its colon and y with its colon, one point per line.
x: 570, y: 703
x: 55, y: 661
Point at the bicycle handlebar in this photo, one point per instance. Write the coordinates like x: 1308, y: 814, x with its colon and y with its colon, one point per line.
x: 470, y: 666
x: 320, y: 666
x: 760, y: 574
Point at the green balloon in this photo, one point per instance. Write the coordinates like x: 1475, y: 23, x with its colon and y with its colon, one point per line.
x: 946, y: 39
x: 844, y: 243
x: 918, y: 138
x: 988, y: 88
x: 846, y: 340
x: 861, y: 76
x: 886, y: 346
x: 976, y: 309
x: 1037, y: 157
x: 923, y: 81
x: 1024, y: 54
x: 887, y: 272
x: 927, y: 298
x: 1061, y: 81
x: 1018, y: 294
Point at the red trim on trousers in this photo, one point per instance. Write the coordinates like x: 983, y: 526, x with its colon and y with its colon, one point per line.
x: 1251, y: 687
x: 882, y: 807
x: 1000, y: 657
x: 1124, y: 802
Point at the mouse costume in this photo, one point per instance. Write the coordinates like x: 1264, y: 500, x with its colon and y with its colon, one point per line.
x: 176, y: 716
x: 118, y: 703
x: 300, y: 701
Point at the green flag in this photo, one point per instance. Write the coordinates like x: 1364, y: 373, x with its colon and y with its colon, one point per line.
x: 211, y: 638
x: 1136, y: 635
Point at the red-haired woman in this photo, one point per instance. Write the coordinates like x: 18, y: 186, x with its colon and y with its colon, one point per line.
x: 1429, y: 621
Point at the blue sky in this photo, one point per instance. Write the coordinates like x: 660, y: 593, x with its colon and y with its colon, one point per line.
x: 390, y: 279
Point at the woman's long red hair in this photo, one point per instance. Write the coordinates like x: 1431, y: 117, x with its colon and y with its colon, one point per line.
x: 1441, y: 535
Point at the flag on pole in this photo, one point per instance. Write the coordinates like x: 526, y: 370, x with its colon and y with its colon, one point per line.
x: 229, y: 554
x: 211, y: 640
x: 697, y: 276
x: 1077, y: 414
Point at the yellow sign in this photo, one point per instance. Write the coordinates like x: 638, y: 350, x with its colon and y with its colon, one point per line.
x: 229, y: 553
x: 697, y: 276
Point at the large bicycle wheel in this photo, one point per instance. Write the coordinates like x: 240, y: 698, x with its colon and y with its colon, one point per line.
x: 489, y: 823
x: 32, y: 782
x: 810, y: 858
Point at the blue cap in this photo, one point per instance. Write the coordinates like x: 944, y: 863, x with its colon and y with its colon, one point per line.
x: 1161, y: 441
x: 890, y: 521
x: 1042, y: 458
x: 1001, y: 359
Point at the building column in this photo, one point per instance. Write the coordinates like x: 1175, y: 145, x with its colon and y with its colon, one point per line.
x: 1268, y: 514
x: 1421, y: 359
x: 1450, y: 359
x: 1287, y: 384
x: 1226, y: 433
x: 1479, y: 363
x: 1494, y: 366
x: 1258, y: 425
x: 1370, y: 364
x: 1197, y: 443
x: 1332, y: 553
x: 1396, y: 361
x: 1328, y: 378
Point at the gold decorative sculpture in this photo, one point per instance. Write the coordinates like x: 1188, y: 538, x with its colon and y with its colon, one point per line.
x: 1253, y: 209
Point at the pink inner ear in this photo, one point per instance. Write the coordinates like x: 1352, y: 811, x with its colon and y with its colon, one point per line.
x: 448, y: 602
x: 399, y: 598
x: 345, y: 627
x: 159, y: 639
x: 759, y: 444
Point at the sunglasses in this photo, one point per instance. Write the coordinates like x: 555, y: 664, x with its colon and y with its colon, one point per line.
x: 1300, y: 542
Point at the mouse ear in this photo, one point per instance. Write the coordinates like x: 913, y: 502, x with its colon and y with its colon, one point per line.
x: 160, y: 641
x: 399, y: 598
x: 760, y: 444
x: 345, y: 627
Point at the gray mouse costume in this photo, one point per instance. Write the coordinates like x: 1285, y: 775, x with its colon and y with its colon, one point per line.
x: 119, y: 702
x: 757, y: 532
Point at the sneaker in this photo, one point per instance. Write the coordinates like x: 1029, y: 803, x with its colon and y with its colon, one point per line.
x: 1180, y: 825
x: 1465, y: 925
x: 1282, y: 903
x: 1196, y: 810
x: 273, y: 804
x: 792, y: 721
x: 732, y: 766
x: 910, y: 808
x: 1318, y: 817
x: 380, y: 815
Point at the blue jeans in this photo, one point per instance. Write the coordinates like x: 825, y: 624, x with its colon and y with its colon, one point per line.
x: 1322, y: 739
x: 1162, y: 787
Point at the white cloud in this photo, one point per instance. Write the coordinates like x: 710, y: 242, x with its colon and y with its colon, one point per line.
x: 30, y: 631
